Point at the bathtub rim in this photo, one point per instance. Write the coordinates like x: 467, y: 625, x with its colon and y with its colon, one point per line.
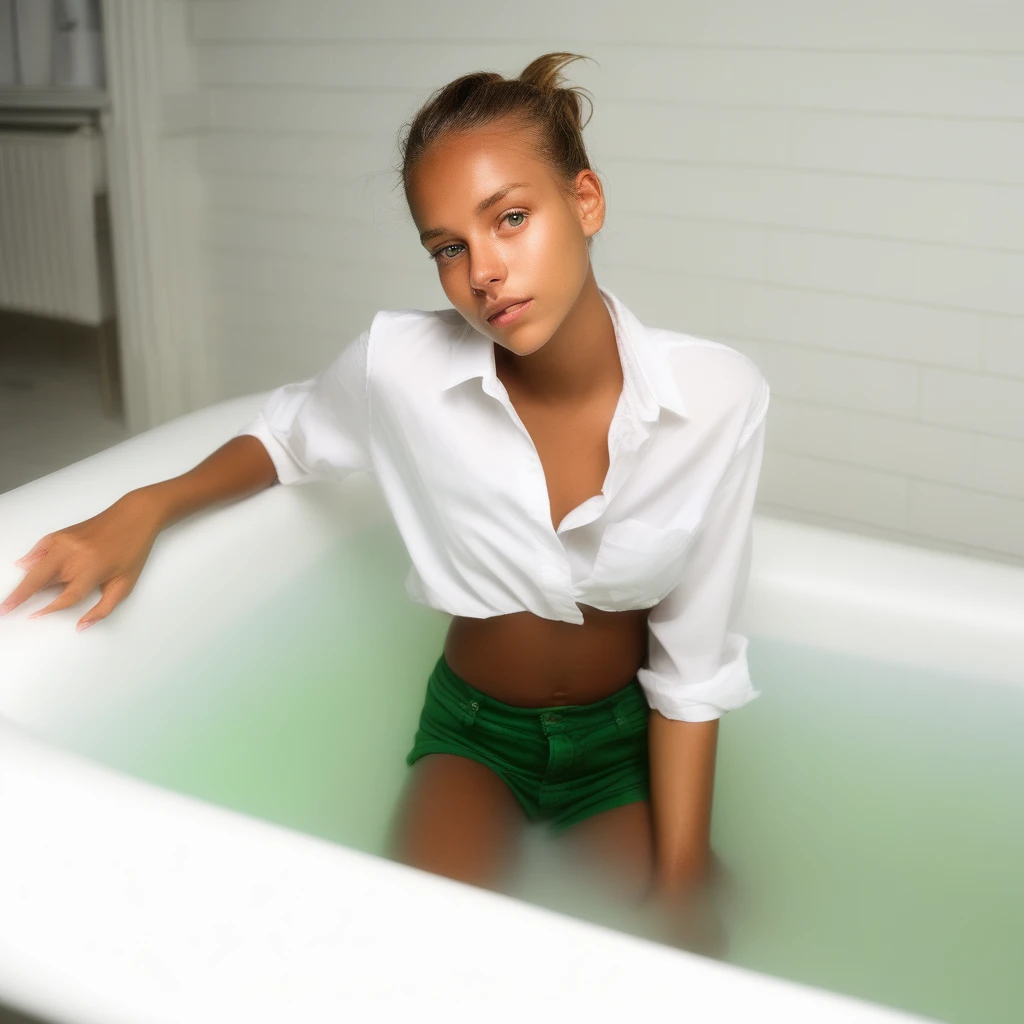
x: 168, y: 847
x: 788, y: 558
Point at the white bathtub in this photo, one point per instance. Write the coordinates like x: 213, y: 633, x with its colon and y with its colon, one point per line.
x: 122, y: 900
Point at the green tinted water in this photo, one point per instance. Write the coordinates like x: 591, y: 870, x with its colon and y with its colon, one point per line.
x: 871, y: 814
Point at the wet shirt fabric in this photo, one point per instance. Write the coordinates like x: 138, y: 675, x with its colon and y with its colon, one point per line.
x: 416, y: 401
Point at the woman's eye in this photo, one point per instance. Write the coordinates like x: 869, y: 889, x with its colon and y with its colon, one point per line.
x: 439, y: 257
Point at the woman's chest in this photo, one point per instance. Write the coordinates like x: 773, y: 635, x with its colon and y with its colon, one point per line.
x: 525, y: 659
x: 573, y: 449
x: 508, y: 504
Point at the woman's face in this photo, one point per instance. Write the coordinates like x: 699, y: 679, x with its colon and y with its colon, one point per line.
x: 531, y: 243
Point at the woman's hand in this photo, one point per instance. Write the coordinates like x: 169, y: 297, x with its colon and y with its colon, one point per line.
x: 691, y: 920
x: 107, y: 551
x: 687, y: 908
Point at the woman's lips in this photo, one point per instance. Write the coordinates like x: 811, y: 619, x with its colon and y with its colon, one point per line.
x: 510, y: 313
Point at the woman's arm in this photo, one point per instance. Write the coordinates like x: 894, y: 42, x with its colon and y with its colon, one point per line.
x: 687, y: 874
x: 697, y: 664
x: 682, y: 764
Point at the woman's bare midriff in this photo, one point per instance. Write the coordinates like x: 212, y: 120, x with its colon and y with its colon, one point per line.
x: 532, y: 662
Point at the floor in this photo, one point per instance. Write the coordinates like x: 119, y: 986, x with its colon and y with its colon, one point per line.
x: 9, y: 1016
x: 51, y: 410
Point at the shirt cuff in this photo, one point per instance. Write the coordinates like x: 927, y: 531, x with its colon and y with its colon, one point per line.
x: 288, y: 470
x: 728, y: 689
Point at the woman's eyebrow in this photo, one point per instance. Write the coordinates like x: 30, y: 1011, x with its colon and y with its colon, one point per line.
x: 489, y: 201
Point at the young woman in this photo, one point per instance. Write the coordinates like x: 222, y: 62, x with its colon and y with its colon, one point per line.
x: 575, y: 488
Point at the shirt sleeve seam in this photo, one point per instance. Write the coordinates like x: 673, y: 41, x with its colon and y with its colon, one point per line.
x: 762, y: 410
x: 366, y: 388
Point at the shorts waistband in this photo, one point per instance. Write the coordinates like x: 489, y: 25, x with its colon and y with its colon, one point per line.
x: 470, y: 700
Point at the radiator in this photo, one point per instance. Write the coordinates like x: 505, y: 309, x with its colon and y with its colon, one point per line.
x: 50, y: 240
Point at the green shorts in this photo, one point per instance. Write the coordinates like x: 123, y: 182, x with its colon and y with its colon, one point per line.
x: 563, y: 764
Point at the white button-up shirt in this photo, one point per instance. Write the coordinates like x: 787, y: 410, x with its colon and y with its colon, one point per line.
x: 416, y: 401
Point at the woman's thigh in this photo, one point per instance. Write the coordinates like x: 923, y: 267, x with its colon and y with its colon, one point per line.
x: 458, y: 818
x: 618, y: 843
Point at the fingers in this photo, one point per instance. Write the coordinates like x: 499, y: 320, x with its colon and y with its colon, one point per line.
x: 42, y: 574
x: 39, y: 549
x: 106, y: 551
x: 72, y: 594
x: 695, y: 926
x: 27, y: 561
x: 114, y: 593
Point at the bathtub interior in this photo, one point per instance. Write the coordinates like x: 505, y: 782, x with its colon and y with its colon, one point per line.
x: 869, y: 812
x: 270, y: 662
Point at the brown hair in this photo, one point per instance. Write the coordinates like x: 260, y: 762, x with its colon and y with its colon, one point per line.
x: 534, y: 101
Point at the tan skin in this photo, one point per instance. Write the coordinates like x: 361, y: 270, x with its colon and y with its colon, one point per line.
x: 560, y: 365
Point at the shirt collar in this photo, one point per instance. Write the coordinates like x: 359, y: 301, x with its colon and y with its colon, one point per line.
x: 647, y: 373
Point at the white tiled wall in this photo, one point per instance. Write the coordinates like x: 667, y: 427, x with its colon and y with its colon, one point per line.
x: 836, y: 189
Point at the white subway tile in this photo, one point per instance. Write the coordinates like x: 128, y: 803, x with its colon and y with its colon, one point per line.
x: 259, y: 194
x: 886, y: 207
x: 989, y: 405
x: 1003, y: 345
x: 840, y: 323
x: 863, y: 266
x: 337, y: 158
x: 692, y: 134
x: 854, y: 324
x: 327, y: 240
x: 952, y: 84
x: 1000, y: 466
x: 306, y: 111
x: 660, y: 243
x: 970, y: 517
x: 907, y: 148
x: 795, y: 24
x: 979, y: 279
x: 913, y: 147
x: 841, y: 490
x: 846, y: 381
x: 946, y: 85
x: 885, y: 443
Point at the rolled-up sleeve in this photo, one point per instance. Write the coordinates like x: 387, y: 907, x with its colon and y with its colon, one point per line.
x: 318, y: 429
x: 697, y: 665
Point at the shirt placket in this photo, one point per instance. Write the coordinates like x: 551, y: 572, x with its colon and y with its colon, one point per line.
x: 538, y: 497
x: 628, y: 435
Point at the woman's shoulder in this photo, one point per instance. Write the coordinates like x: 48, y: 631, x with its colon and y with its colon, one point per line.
x: 410, y: 348
x: 412, y: 321
x: 714, y: 369
x: 691, y: 350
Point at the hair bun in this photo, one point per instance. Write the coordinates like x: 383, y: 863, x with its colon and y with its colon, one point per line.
x: 538, y: 96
